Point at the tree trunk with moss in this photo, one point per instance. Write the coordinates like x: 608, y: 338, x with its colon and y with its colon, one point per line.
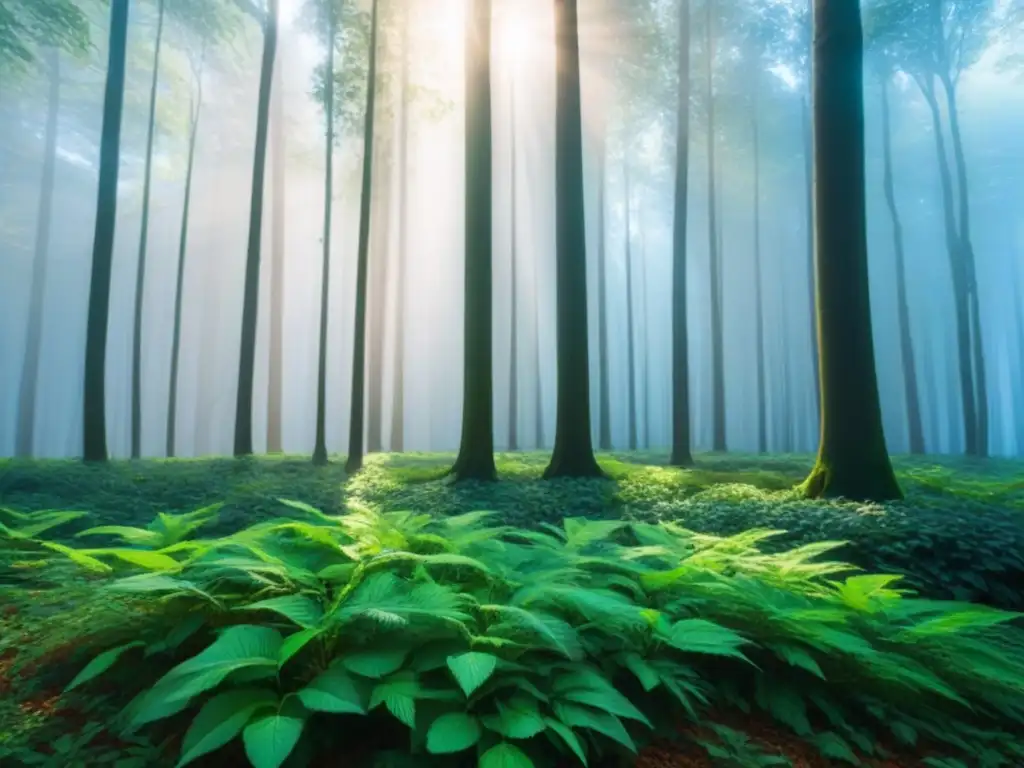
x: 852, y: 458
x: 573, y: 455
x: 476, y: 451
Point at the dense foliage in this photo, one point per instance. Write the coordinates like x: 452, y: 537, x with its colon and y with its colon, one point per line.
x: 300, y: 635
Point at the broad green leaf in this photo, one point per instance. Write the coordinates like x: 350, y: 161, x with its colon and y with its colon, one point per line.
x: 798, y: 657
x: 471, y: 670
x: 78, y: 558
x: 143, y: 558
x: 303, y: 610
x: 453, y: 732
x: 785, y: 704
x: 611, y: 702
x: 295, y: 643
x: 303, y: 507
x: 138, y: 536
x: 834, y: 746
x: 398, y: 693
x: 333, y: 691
x: 101, y: 664
x: 269, y: 739
x: 504, y: 755
x: 375, y: 663
x: 519, y: 718
x: 603, y: 722
x: 221, y: 719
x: 701, y: 636
x: 566, y: 734
x: 645, y: 673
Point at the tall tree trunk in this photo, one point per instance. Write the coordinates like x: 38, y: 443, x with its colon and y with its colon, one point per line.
x: 251, y: 297
x: 140, y: 275
x: 278, y: 225
x: 476, y: 452
x: 605, y: 405
x: 961, y: 289
x: 681, y: 451
x: 573, y: 454
x: 355, y: 435
x: 397, y: 442
x: 631, y: 371
x: 538, y: 414
x: 320, y: 447
x: 24, y: 442
x: 762, y: 404
x: 94, y: 421
x: 714, y: 257
x: 378, y: 296
x: 513, y: 370
x: 805, y: 122
x: 852, y: 459
x: 179, y: 286
x: 969, y: 265
x: 645, y: 413
x: 915, y: 429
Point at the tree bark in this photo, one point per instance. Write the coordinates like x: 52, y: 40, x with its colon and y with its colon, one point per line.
x: 513, y: 368
x: 179, y: 286
x: 852, y: 460
x: 645, y: 413
x: 969, y: 264
x: 378, y: 296
x: 573, y: 455
x: 355, y: 436
x: 805, y: 122
x: 476, y: 452
x: 24, y: 442
x: 714, y: 257
x: 682, y: 455
x: 915, y: 428
x: 251, y: 297
x: 278, y: 224
x: 94, y: 428
x: 762, y: 404
x: 320, y: 447
x: 397, y: 442
x: 605, y: 405
x: 631, y: 371
x: 961, y: 290
x: 140, y: 275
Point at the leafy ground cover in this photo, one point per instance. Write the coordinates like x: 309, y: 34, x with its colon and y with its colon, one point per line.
x: 958, y: 535
x: 470, y: 642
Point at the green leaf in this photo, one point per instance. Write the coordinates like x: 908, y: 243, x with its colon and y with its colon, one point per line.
x: 471, y: 670
x: 101, y: 664
x: 151, y: 561
x: 453, y: 732
x: 333, y: 691
x: 504, y: 755
x: 797, y: 657
x: 398, y: 693
x: 303, y: 610
x: 375, y: 663
x: 221, y: 719
x: 519, y: 718
x: 565, y: 734
x: 271, y: 738
x: 295, y: 643
x: 138, y: 536
x: 785, y: 704
x: 603, y: 722
x: 834, y: 746
x: 645, y: 673
x: 701, y: 636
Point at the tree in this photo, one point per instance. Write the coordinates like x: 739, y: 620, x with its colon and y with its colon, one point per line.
x: 762, y: 404
x: 604, y: 439
x: 513, y: 367
x: 26, y: 26
x: 714, y: 249
x: 397, y: 442
x: 94, y: 432
x: 320, y: 449
x: 573, y: 454
x: 476, y: 451
x: 140, y: 277
x: 852, y: 459
x: 251, y: 296
x: 681, y: 453
x: 24, y: 440
x: 278, y: 223
x: 631, y: 371
x: 355, y: 438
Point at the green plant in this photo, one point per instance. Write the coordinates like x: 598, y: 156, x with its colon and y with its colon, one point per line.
x: 525, y: 644
x: 734, y: 750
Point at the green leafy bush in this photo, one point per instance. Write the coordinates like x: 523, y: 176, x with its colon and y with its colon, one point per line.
x: 297, y: 636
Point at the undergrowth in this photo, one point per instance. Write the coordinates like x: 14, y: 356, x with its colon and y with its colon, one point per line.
x: 462, y: 639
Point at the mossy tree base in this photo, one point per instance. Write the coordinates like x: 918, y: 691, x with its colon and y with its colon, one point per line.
x: 855, y: 481
x: 581, y: 464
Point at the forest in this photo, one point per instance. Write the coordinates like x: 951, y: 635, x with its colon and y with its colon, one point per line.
x: 511, y: 383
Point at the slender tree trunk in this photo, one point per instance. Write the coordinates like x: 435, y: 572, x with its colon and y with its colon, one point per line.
x: 513, y: 370
x: 378, y: 296
x: 538, y: 414
x: 605, y: 404
x: 140, y: 276
x: 681, y: 451
x: 852, y: 459
x: 915, y: 428
x: 355, y: 436
x: 717, y: 352
x: 631, y: 371
x: 397, y: 442
x: 961, y: 290
x: 24, y: 443
x: 94, y: 422
x: 320, y: 448
x: 805, y: 122
x: 251, y: 296
x: 179, y: 286
x: 476, y: 452
x: 278, y: 224
x: 573, y: 454
x: 762, y: 404
x: 969, y: 265
x: 645, y: 413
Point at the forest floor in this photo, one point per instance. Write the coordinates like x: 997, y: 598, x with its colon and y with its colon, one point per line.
x: 958, y: 534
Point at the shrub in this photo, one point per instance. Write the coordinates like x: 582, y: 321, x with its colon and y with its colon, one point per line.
x: 302, y: 635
